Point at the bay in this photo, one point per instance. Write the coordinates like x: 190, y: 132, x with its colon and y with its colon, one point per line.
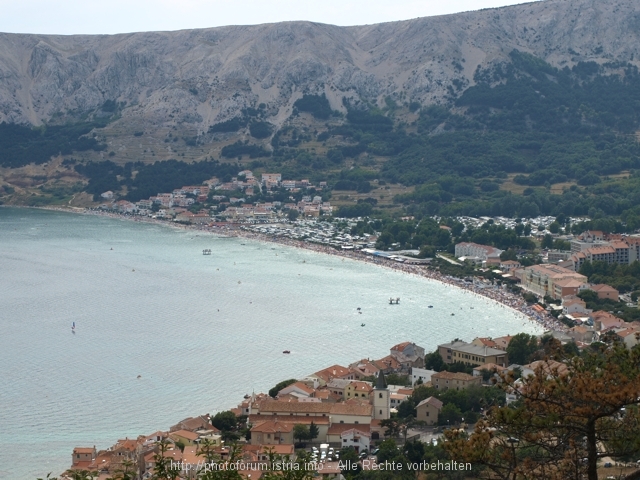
x: 200, y: 331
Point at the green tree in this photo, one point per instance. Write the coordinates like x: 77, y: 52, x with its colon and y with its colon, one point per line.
x: 561, y: 245
x: 433, y: 361
x: 396, y: 379
x: 521, y: 347
x: 563, y: 421
x: 349, y: 460
x: 387, y: 451
x: 509, y: 254
x: 229, y: 436
x: 392, y: 427
x: 165, y: 468
x: 82, y: 475
x: 225, y: 421
x: 449, y: 415
x: 547, y: 241
x: 207, y: 450
x: 279, y: 386
x: 314, y: 431
x: 301, y: 432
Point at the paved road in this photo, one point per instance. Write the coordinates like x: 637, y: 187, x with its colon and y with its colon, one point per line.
x: 447, y: 259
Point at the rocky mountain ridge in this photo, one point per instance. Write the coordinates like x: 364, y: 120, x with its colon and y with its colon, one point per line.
x: 197, y: 78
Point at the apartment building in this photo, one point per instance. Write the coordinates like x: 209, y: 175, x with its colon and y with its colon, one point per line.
x: 542, y: 280
x: 470, y: 354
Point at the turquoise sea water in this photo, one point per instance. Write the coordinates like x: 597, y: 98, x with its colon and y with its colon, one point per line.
x: 202, y: 331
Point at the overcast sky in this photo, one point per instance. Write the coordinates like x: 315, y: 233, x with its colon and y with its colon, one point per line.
x: 69, y: 17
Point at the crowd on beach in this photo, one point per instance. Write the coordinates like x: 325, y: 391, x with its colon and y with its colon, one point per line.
x: 504, y: 297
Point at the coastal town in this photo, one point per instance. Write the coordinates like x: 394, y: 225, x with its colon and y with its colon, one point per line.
x: 351, y: 409
x: 339, y: 410
x: 303, y: 240
x: 228, y: 200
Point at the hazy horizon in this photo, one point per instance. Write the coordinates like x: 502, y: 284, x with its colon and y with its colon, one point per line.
x: 98, y: 18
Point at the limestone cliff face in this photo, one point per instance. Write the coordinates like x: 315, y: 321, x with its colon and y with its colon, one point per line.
x: 201, y: 77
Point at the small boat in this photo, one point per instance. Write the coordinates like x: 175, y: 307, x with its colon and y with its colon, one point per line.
x: 430, y: 306
x: 358, y: 308
x: 286, y: 351
x: 73, y: 327
x: 139, y: 376
x: 362, y: 324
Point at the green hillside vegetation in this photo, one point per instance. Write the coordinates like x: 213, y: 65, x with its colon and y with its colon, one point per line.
x: 228, y: 126
x: 496, y: 148
x: 624, y: 278
x: 150, y: 179
x: 239, y: 149
x: 316, y: 105
x: 21, y: 145
x: 260, y: 129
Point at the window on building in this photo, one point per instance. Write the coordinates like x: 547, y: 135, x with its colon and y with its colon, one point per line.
x: 427, y: 414
x: 380, y: 395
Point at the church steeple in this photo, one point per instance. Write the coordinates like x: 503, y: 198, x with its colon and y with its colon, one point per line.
x: 381, y: 399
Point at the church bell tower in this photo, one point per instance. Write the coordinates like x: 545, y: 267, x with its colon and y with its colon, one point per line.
x: 381, y: 399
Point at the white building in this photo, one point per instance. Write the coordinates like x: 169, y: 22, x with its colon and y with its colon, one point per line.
x: 356, y: 438
x: 484, y: 252
x: 422, y: 374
